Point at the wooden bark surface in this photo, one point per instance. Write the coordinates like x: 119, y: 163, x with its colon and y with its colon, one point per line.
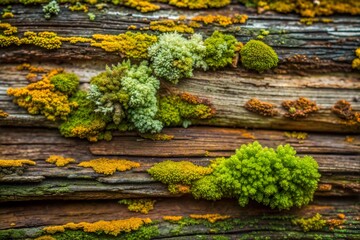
x: 338, y: 161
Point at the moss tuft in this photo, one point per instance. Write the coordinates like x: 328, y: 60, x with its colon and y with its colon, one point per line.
x: 258, y: 56
x: 65, y: 82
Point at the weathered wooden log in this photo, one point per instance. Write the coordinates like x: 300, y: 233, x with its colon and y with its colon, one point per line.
x: 228, y: 91
x: 338, y: 161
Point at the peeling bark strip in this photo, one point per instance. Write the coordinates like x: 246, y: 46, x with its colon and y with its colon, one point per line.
x: 339, y: 161
x: 228, y: 91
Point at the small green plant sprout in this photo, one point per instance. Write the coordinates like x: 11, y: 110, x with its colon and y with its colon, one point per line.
x: 174, y: 57
x: 257, y: 55
x: 220, y: 50
x: 51, y: 9
x: 91, y: 16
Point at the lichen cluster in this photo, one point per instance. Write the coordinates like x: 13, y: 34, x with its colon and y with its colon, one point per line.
x: 276, y: 178
x: 109, y: 166
x: 3, y: 114
x: 262, y: 108
x: 356, y: 62
x: 210, y: 217
x: 310, y: 224
x: 59, y: 161
x: 114, y: 227
x: 300, y: 108
x: 139, y: 205
x: 16, y: 163
x: 307, y: 8
x: 343, y: 110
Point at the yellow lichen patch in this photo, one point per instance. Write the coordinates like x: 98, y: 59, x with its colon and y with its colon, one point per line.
x: 310, y: 21
x: 309, y: 8
x: 109, y: 166
x: 210, y: 217
x: 221, y: 19
x: 30, y: 68
x: 139, y: 205
x: 199, y: 4
x: 7, y: 15
x: 74, y: 40
x: 157, y: 136
x: 114, y: 227
x: 8, y: 29
x: 168, y: 25
x: 16, y: 163
x: 356, y: 62
x: 59, y: 160
x: 3, y: 114
x: 296, y: 135
x: 48, y: 40
x: 42, y: 98
x: 46, y: 237
x: 79, y: 7
x: 133, y: 45
x: 142, y: 5
x: 172, y: 218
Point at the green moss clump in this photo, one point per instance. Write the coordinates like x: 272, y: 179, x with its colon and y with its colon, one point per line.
x: 220, y: 50
x: 52, y: 8
x: 177, y: 111
x: 65, y: 82
x: 276, y: 178
x: 314, y: 223
x: 84, y: 122
x: 172, y: 173
x: 174, y: 57
x: 258, y: 56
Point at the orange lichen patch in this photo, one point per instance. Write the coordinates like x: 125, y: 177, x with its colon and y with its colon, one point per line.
x: 262, y: 108
x: 129, y: 44
x: 343, y: 110
x: 42, y: 98
x: 221, y: 19
x: 324, y: 187
x: 59, y: 160
x: 179, y: 189
x: 341, y: 216
x: 210, y: 217
x: 142, y: 5
x: 168, y: 25
x: 16, y: 163
x: 114, y: 227
x: 157, y: 136
x: 46, y: 237
x: 349, y: 139
x: 172, y: 218
x: 30, y: 68
x: 300, y: 108
x: 309, y: 8
x: 31, y: 77
x: 3, y: 114
x: 247, y: 135
x: 109, y: 166
x: 332, y: 223
x: 8, y: 29
x: 296, y: 135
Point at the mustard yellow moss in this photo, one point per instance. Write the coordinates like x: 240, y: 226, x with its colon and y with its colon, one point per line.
x: 129, y: 44
x: 139, y: 205
x: 42, y: 98
x: 46, y: 237
x: 221, y: 19
x: 296, y: 135
x: 172, y: 218
x: 356, y: 62
x: 198, y: 4
x: 59, y: 160
x: 16, y: 163
x: 7, y: 15
x: 210, y: 217
x: 8, y: 29
x: 114, y: 227
x: 3, y: 114
x: 307, y: 8
x: 109, y: 166
x: 168, y: 25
